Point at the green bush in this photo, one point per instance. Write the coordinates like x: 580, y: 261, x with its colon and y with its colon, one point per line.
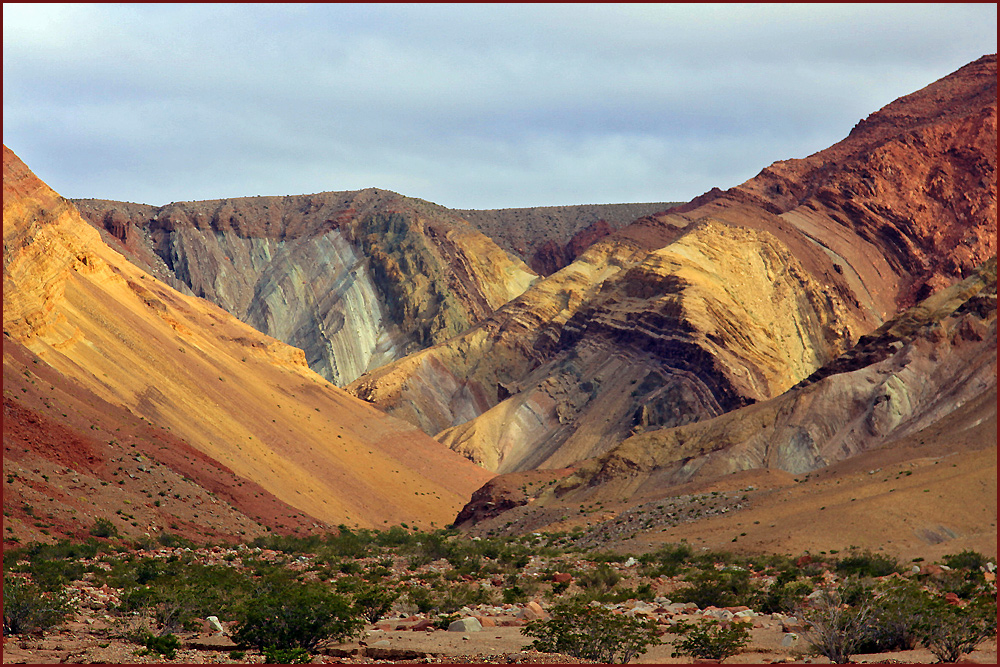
x: 730, y: 587
x: 296, y: 616
x: 950, y: 630
x: 867, y: 564
x: 286, y: 656
x: 785, y: 594
x: 591, y: 632
x: 711, y: 640
x: 667, y: 561
x: 103, y: 528
x: 165, y: 645
x: 898, y: 607
x: 966, y: 560
x: 27, y: 608
x: 372, y: 601
x: 422, y: 598
x: 839, y: 621
x: 602, y: 578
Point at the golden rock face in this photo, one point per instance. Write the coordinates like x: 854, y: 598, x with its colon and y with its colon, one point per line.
x: 354, y: 279
x: 239, y: 396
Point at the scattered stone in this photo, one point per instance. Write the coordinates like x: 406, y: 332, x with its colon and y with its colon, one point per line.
x: 532, y: 612
x: 468, y: 624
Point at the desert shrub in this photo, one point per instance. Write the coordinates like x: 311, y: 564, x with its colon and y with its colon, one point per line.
x: 456, y: 596
x: 372, y: 601
x: 720, y: 588
x: 950, y: 631
x: 867, y: 564
x: 176, y: 592
x: 711, y: 640
x: 837, y: 628
x: 295, y: 616
x: 165, y: 645
x: 286, y: 656
x: 601, y: 578
x: 27, y: 608
x: 103, y: 528
x: 966, y: 560
x: 591, y: 632
x: 421, y: 597
x: 898, y: 607
x: 54, y: 574
x: 667, y: 561
x: 785, y: 594
x: 443, y: 621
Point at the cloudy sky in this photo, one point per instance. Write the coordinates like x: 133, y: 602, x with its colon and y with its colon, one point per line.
x: 469, y: 106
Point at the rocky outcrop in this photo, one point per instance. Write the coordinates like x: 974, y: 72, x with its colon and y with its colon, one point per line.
x: 553, y: 256
x: 523, y: 232
x: 933, y: 358
x: 920, y: 390
x: 355, y: 279
x: 238, y: 397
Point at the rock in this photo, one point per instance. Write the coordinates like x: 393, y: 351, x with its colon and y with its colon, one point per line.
x: 468, y: 624
x: 631, y: 562
x: 425, y: 624
x: 532, y: 612
x: 952, y: 598
x: 562, y: 577
x: 790, y: 639
x: 746, y: 613
x: 213, y: 622
x: 382, y: 643
x: 486, y: 621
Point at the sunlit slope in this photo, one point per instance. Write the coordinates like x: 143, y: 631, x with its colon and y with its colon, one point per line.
x: 233, y: 393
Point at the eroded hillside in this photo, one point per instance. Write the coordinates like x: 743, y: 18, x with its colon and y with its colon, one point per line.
x: 725, y: 301
x: 242, y: 399
x: 354, y: 279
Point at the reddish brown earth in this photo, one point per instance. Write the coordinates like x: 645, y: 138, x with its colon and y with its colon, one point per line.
x: 71, y: 457
x: 553, y: 256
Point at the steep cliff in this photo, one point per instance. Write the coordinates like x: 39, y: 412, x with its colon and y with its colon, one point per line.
x: 354, y: 279
x: 241, y: 398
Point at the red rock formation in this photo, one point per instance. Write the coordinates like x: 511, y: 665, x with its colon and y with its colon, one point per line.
x: 551, y: 256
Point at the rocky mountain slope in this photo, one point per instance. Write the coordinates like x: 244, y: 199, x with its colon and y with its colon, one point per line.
x: 917, y: 393
x: 238, y: 400
x: 550, y: 237
x: 723, y: 302
x: 354, y: 279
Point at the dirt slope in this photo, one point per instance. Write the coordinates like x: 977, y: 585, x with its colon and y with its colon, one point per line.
x: 244, y: 400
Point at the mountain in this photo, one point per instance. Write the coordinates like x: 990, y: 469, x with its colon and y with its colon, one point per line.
x: 220, y: 392
x: 914, y: 399
x: 550, y: 237
x: 726, y: 301
x: 354, y: 279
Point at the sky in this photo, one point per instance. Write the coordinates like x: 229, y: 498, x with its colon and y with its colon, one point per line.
x: 465, y: 105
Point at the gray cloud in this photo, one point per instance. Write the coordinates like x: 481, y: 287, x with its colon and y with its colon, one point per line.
x: 471, y: 106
